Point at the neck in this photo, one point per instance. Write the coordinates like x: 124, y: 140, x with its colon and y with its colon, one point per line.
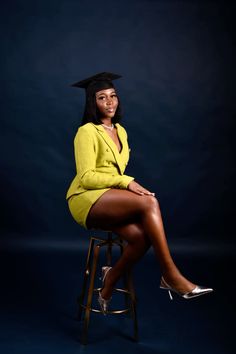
x: 106, y: 121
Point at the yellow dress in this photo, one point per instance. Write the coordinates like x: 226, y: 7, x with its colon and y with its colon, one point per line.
x: 99, y: 167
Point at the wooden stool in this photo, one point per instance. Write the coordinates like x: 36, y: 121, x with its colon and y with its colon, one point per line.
x: 85, y: 304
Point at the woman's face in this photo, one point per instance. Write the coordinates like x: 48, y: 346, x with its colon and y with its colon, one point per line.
x: 107, y: 102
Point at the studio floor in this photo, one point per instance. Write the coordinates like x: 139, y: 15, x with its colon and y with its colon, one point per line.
x: 38, y: 295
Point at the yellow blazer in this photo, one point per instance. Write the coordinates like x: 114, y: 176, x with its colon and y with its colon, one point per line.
x: 99, y: 166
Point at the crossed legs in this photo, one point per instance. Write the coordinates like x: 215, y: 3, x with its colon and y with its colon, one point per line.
x: 136, y: 219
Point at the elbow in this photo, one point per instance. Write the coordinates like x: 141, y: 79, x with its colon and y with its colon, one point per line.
x: 85, y: 181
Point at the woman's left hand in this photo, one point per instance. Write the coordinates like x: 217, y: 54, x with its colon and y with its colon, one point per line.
x: 138, y: 189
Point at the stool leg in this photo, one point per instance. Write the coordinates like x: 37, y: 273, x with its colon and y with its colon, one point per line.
x: 80, y: 299
x: 133, y: 305
x: 90, y: 295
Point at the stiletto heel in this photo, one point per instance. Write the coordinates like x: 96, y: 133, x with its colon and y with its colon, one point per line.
x: 197, y: 291
x: 170, y: 295
x: 102, y: 302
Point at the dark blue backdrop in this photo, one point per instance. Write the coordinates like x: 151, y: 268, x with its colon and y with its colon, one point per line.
x: 178, y: 60
x: 178, y: 65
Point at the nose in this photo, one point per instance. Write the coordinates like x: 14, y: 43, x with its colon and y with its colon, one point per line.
x: 109, y: 101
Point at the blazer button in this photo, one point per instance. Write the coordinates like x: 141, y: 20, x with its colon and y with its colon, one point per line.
x: 107, y: 150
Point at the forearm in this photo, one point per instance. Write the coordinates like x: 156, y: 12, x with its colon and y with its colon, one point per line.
x: 98, y: 180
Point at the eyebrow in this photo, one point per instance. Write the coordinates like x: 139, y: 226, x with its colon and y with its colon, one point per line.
x: 100, y: 94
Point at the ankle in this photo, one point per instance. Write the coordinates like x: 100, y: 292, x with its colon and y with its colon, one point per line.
x: 107, y: 288
x: 172, y: 275
x: 179, y: 283
x: 106, y: 293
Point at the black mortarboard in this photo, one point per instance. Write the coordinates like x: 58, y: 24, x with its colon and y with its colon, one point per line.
x: 97, y: 82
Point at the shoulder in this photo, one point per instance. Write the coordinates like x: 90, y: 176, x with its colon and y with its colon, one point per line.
x: 88, y: 129
x: 84, y: 133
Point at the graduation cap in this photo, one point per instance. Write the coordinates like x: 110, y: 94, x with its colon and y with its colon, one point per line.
x: 97, y: 82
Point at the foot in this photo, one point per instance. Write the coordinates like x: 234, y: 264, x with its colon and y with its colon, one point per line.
x: 179, y: 283
x: 104, y: 304
x: 106, y: 291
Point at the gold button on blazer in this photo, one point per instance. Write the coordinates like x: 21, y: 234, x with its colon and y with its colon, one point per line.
x: 99, y: 167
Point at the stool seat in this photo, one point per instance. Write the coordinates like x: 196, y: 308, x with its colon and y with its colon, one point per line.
x: 88, y: 290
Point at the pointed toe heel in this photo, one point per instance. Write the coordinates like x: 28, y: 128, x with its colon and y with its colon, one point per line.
x: 197, y: 291
x: 103, y: 303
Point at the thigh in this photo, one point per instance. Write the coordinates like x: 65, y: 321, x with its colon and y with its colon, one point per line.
x: 116, y: 208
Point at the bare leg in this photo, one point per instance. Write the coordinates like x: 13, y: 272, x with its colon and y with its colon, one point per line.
x: 118, y: 208
x: 138, y: 244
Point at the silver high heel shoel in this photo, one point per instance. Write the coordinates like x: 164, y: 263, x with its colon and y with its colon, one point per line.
x: 102, y: 302
x: 197, y: 291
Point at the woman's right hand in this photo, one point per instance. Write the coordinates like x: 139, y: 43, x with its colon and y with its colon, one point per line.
x: 138, y: 189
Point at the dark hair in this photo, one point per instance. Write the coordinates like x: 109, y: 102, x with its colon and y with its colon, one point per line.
x: 92, y: 113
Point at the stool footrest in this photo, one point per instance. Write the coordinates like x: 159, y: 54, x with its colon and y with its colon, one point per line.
x: 116, y: 312
x: 111, y: 311
x: 116, y: 289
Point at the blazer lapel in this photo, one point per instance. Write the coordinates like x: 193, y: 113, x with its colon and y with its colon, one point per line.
x: 108, y: 140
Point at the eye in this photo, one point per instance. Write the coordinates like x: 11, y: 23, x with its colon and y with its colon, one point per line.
x: 101, y: 98
x: 114, y: 95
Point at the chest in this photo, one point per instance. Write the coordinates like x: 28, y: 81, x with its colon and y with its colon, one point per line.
x: 114, y: 136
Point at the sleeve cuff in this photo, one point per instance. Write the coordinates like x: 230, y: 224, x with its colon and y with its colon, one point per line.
x: 126, y: 181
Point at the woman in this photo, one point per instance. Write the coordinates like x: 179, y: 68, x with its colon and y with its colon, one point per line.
x: 101, y: 196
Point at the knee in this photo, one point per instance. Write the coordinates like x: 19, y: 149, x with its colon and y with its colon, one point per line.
x: 150, y: 204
